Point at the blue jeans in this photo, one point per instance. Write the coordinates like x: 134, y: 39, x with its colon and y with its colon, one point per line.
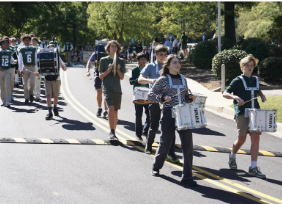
x: 138, y: 119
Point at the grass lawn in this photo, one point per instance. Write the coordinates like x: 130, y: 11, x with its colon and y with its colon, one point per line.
x: 272, y: 102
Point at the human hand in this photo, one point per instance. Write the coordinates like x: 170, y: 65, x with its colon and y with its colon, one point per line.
x: 167, y: 99
x: 239, y: 100
x: 22, y: 74
x: 36, y: 74
x: 153, y: 81
x: 88, y: 74
x: 263, y: 98
x: 110, y: 67
x: 118, y: 67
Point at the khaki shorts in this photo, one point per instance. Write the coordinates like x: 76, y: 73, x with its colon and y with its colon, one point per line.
x: 52, y: 88
x: 242, y: 125
x: 114, y: 100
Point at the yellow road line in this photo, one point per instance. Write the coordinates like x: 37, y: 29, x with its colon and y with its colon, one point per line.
x: 45, y: 140
x: 211, y: 149
x: 100, y: 142
x: 266, y: 153
x: 194, y: 167
x: 20, y: 140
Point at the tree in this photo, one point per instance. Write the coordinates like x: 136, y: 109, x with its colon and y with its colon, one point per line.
x: 122, y: 20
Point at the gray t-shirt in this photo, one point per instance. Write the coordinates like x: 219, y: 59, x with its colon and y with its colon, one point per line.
x: 111, y: 83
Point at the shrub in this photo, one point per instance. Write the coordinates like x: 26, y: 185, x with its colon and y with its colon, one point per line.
x: 275, y: 51
x: 270, y: 68
x: 231, y: 58
x: 245, y: 42
x: 203, y: 54
x: 258, y: 49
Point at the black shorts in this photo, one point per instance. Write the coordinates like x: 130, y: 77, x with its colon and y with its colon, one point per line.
x: 97, y: 80
x: 184, y: 46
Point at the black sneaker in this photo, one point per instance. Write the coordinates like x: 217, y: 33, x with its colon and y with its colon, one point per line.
x: 56, y: 112
x: 105, y: 114
x: 112, y: 136
x: 138, y: 137
x: 148, y: 150
x: 189, y: 182
x: 49, y: 116
x: 31, y: 98
x: 99, y: 112
x: 155, y: 173
x: 26, y: 101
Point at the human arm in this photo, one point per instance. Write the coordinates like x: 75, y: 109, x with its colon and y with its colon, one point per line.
x: 262, y: 96
x: 156, y: 93
x: 133, y: 80
x: 20, y: 61
x: 90, y: 61
x: 104, y: 69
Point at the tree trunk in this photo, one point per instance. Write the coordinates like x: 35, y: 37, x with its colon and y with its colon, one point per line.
x: 229, y: 22
x: 74, y: 36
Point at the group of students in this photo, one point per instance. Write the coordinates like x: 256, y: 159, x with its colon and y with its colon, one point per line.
x: 163, y: 78
x: 19, y: 59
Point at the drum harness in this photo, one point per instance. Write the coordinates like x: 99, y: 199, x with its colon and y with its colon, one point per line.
x: 252, y: 89
x: 178, y: 87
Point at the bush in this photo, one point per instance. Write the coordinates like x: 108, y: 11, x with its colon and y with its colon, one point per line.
x: 270, y: 68
x: 258, y: 49
x: 275, y: 51
x: 203, y: 54
x: 231, y: 58
x: 245, y: 42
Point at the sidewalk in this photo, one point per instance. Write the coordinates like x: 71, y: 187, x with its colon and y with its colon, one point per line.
x: 215, y: 102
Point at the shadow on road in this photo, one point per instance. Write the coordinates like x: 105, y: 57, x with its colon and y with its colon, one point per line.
x: 210, y: 192
x: 207, y: 131
x: 74, y: 124
x: 126, y: 124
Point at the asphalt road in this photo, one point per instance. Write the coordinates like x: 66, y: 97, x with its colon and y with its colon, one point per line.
x: 67, y: 173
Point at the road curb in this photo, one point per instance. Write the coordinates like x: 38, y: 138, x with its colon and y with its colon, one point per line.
x: 126, y: 142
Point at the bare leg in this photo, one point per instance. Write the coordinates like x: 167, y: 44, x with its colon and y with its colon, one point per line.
x: 238, y: 143
x: 111, y: 118
x: 116, y: 118
x: 255, y: 137
x: 105, y: 104
x: 49, y: 101
x: 56, y: 99
x: 99, y: 97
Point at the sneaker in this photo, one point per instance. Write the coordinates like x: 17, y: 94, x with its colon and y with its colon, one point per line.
x: 138, y: 137
x: 99, y: 112
x: 256, y: 172
x: 155, y: 173
x: 172, y: 158
x: 105, y: 114
x: 31, y: 98
x: 232, y: 163
x: 112, y: 136
x: 7, y: 105
x: 26, y: 101
x: 56, y: 112
x: 189, y: 182
x: 49, y: 116
x: 12, y: 97
x: 148, y: 150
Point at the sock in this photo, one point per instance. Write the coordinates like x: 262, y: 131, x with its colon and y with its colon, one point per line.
x: 232, y: 155
x: 253, y: 164
x: 55, y: 106
x: 100, y: 108
x: 50, y: 110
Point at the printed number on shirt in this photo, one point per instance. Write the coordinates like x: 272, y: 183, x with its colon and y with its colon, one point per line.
x: 5, y: 62
x: 28, y: 58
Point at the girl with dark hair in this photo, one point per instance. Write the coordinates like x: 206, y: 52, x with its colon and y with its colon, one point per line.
x: 168, y: 85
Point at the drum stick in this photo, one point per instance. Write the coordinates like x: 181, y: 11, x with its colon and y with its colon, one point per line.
x: 29, y: 71
x: 250, y: 100
x: 179, y: 92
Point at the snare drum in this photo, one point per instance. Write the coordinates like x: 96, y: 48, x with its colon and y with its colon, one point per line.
x: 199, y: 98
x: 48, y: 62
x: 189, y: 116
x: 140, y: 95
x: 262, y: 120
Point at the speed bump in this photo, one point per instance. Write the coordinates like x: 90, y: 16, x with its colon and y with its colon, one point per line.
x: 128, y: 143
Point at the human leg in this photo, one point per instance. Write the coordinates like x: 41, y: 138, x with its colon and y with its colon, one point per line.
x: 138, y: 120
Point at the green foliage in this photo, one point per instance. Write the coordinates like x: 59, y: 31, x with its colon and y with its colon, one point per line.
x: 258, y: 21
x: 258, y: 49
x: 203, y: 54
x: 231, y: 58
x: 245, y: 42
x: 275, y: 51
x: 276, y: 29
x: 270, y: 68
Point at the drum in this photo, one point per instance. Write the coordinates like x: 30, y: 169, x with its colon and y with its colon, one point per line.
x: 140, y: 95
x: 48, y: 62
x: 199, y: 98
x: 189, y: 116
x: 262, y: 120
